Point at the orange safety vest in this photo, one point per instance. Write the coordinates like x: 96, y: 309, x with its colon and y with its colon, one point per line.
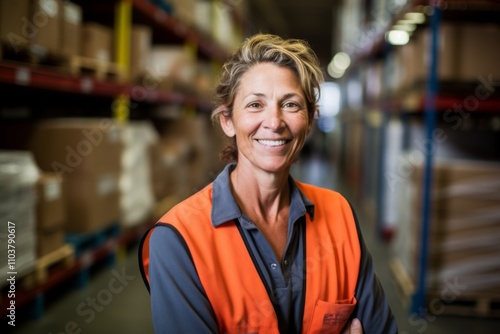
x: 242, y: 304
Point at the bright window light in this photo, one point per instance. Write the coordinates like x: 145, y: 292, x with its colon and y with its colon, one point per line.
x: 397, y: 37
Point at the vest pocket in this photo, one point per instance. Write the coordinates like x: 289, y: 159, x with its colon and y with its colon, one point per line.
x: 330, y: 317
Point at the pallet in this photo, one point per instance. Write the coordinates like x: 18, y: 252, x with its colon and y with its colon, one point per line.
x: 404, y: 284
x: 64, y: 256
x: 470, y: 304
x: 70, y: 64
x: 483, y: 305
x: 99, y: 69
x: 84, y: 242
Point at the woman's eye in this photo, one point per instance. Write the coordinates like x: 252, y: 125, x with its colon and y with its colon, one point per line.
x: 254, y: 105
x: 291, y: 106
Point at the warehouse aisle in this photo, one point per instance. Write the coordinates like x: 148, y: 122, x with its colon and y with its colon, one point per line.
x: 97, y: 309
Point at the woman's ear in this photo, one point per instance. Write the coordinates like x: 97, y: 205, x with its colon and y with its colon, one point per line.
x: 226, y: 123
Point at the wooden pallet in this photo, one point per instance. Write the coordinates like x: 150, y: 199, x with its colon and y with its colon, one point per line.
x: 64, y: 256
x: 471, y: 304
x: 485, y: 305
x: 404, y: 284
x: 71, y: 64
x: 84, y: 242
x: 99, y: 69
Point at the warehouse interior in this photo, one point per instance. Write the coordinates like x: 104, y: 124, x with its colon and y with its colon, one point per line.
x: 105, y: 126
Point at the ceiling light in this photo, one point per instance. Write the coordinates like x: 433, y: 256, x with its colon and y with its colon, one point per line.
x: 417, y: 18
x: 397, y: 37
x: 341, y: 61
x: 334, y: 72
x: 404, y: 27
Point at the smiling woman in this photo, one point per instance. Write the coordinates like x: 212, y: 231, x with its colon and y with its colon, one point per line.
x: 256, y: 251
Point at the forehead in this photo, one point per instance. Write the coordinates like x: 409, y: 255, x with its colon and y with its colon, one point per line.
x: 264, y: 76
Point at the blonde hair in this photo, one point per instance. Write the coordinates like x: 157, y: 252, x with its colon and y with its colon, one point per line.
x: 294, y: 54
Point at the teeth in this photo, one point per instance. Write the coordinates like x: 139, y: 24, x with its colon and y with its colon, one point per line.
x: 272, y: 142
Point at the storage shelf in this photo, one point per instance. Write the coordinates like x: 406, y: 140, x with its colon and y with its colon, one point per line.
x: 77, y: 271
x: 206, y: 45
x: 483, y: 11
x: 415, y: 103
x: 24, y: 74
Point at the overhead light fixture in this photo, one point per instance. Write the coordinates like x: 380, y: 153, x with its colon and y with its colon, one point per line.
x: 342, y: 61
x: 338, y: 65
x: 404, y: 27
x: 397, y: 37
x: 334, y: 72
x: 415, y: 17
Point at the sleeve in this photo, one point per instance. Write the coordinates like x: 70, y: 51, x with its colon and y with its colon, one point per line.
x: 178, y: 301
x: 372, y: 308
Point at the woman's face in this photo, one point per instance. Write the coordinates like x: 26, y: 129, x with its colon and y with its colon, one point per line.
x: 269, y: 119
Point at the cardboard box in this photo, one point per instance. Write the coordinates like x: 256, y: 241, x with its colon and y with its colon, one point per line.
x: 45, y: 36
x: 49, y: 241
x: 73, y: 147
x: 466, y: 51
x: 13, y: 30
x: 92, y: 202
x: 184, y: 10
x: 50, y: 212
x: 96, y: 41
x: 172, y: 66
x: 140, y: 48
x: 70, y: 26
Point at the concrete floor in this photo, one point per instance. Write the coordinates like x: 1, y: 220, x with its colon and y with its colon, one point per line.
x: 128, y: 311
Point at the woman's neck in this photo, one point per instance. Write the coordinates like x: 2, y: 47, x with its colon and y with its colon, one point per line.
x: 264, y: 197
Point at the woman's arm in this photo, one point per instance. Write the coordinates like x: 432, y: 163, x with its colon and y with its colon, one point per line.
x: 372, y: 308
x: 178, y: 301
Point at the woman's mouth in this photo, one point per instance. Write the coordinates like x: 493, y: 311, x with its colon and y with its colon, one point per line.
x: 272, y: 143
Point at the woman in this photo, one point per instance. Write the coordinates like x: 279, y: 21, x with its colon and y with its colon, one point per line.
x: 256, y: 251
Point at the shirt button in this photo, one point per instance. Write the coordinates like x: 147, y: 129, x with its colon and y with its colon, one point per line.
x: 285, y: 262
x: 273, y: 266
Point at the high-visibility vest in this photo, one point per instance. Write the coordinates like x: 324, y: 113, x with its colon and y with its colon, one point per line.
x: 232, y: 283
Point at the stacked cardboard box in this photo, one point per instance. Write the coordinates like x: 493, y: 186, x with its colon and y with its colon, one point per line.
x: 18, y: 177
x: 184, y: 10
x: 50, y: 214
x: 137, y: 199
x: 466, y: 51
x: 96, y: 41
x: 140, y: 49
x: 173, y: 67
x: 70, y: 28
x: 464, y: 225
x: 42, y: 26
x: 86, y: 155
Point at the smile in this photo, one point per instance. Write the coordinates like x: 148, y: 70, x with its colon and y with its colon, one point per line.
x: 272, y: 142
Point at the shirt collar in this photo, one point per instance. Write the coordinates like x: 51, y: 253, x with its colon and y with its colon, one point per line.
x: 225, y: 208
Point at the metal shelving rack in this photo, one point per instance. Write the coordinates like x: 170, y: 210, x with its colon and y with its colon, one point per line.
x: 429, y: 103
x: 19, y: 75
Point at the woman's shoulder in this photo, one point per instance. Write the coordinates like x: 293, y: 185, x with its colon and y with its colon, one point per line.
x: 195, y: 205
x: 317, y: 191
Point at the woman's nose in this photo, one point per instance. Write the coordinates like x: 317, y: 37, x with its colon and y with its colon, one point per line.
x: 274, y: 118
